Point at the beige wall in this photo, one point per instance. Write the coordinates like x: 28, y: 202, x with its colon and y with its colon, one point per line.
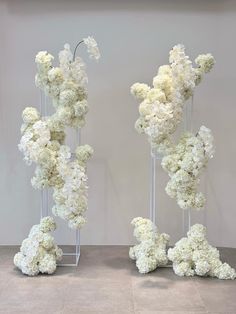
x: 134, y: 38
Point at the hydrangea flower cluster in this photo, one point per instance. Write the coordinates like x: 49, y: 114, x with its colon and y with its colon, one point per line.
x: 44, y: 146
x: 193, y: 255
x: 184, y: 166
x: 162, y: 105
x: 38, y: 252
x: 151, y: 252
x: 40, y: 143
x: 70, y: 198
x: 66, y: 84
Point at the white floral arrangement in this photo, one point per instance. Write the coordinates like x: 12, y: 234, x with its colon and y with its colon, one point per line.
x: 55, y: 167
x: 193, y: 255
x: 161, y: 106
x: 151, y: 252
x: 39, y: 253
x: 42, y: 140
x: 71, y: 200
x: 185, y: 164
x: 66, y: 84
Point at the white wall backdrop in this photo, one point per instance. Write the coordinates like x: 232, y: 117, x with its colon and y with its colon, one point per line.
x: 134, y: 38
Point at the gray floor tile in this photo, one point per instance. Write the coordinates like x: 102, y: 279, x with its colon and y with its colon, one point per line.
x: 162, y: 290
x: 98, y: 295
x: 30, y: 293
x: 171, y: 312
x: 218, y: 295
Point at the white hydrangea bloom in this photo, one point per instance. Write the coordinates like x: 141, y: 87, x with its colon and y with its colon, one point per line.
x: 205, y: 62
x: 43, y: 60
x: 162, y: 105
x: 83, y: 154
x: 193, y: 255
x: 184, y: 165
x: 30, y: 115
x: 151, y: 251
x: 38, y: 252
x: 140, y: 91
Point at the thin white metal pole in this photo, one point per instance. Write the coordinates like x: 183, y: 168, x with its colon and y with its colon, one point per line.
x: 77, y: 232
x: 152, y: 201
x: 44, y: 208
x: 77, y: 246
x: 188, y: 127
x: 189, y: 219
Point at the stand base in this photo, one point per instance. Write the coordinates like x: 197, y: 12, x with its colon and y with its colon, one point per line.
x: 166, y: 266
x: 186, y: 221
x: 70, y: 256
x: 75, y: 264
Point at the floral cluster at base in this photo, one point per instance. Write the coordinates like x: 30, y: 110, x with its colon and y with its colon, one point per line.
x: 151, y: 252
x: 184, y: 165
x: 71, y: 200
x: 193, y: 255
x: 38, y: 252
x: 162, y: 105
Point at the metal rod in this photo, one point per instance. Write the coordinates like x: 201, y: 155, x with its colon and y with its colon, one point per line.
x: 77, y: 137
x: 77, y: 232
x: 188, y: 127
x: 42, y: 206
x: 152, y: 201
x: 68, y: 265
x: 76, y: 49
x: 189, y: 219
x: 44, y: 210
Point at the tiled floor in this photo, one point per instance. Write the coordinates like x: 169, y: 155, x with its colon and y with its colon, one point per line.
x: 107, y: 281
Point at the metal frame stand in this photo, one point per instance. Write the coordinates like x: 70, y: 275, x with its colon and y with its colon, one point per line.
x: 186, y: 214
x: 154, y: 158
x: 76, y: 254
x: 45, y: 193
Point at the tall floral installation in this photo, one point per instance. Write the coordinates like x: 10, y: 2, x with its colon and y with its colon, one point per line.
x: 43, y: 137
x: 161, y: 111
